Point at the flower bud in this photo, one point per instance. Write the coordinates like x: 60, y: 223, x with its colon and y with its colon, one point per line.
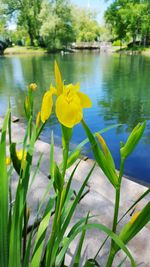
x: 32, y: 86
x: 133, y: 140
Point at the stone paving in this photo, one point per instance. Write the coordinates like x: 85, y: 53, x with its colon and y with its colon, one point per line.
x: 98, y: 199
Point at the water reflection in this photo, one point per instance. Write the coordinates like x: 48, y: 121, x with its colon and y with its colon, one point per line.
x: 126, y: 92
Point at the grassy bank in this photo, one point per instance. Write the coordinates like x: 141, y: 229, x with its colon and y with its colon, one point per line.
x: 131, y: 50
x: 24, y: 50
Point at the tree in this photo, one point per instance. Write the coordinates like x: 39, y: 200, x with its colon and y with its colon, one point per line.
x: 86, y: 27
x: 2, y: 22
x: 129, y: 18
x: 56, y: 23
x: 26, y: 12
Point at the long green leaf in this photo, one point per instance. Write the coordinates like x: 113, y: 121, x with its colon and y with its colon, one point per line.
x: 77, y: 257
x: 69, y: 216
x: 35, y: 172
x: 132, y: 228
x: 28, y: 250
x: 4, y: 194
x: 102, y: 228
x: 39, y: 242
x: 135, y: 203
x: 20, y: 200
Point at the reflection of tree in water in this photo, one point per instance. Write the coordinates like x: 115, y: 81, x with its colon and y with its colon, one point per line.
x: 19, y: 71
x: 126, y: 98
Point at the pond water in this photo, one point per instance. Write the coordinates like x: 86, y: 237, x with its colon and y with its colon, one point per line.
x: 119, y: 86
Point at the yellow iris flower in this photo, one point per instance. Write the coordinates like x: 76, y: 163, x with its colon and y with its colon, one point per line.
x: 69, y: 103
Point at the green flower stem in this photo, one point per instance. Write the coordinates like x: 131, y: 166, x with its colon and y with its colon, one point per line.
x: 117, y: 198
x: 110, y: 259
x: 65, y: 159
x: 116, y: 212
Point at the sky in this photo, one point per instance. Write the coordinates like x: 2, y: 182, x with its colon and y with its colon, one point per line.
x: 99, y: 5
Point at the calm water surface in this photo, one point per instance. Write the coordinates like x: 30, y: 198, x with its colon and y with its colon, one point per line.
x: 118, y: 85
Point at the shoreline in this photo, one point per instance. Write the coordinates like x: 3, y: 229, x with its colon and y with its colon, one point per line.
x: 22, y: 50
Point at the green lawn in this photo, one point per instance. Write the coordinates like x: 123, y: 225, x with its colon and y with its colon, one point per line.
x: 24, y: 50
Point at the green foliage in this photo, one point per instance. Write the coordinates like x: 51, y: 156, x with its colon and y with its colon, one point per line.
x: 27, y: 12
x: 86, y: 27
x: 53, y: 24
x: 56, y: 24
x: 117, y: 43
x: 129, y: 19
x: 3, y: 22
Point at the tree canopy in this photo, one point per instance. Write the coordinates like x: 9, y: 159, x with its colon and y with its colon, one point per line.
x: 51, y: 23
x: 130, y: 19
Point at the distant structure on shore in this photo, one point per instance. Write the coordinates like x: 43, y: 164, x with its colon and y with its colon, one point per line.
x: 102, y: 46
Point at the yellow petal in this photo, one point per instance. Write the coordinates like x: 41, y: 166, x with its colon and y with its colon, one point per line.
x: 53, y: 90
x: 85, y: 100
x: 58, y: 79
x: 77, y: 86
x: 72, y: 87
x: 68, y: 113
x: 46, y: 108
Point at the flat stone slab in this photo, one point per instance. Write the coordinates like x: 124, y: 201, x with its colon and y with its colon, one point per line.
x: 98, y: 199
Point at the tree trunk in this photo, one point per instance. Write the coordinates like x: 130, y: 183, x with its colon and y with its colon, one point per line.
x: 31, y: 38
x: 144, y: 40
x: 134, y: 39
x: 30, y: 32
